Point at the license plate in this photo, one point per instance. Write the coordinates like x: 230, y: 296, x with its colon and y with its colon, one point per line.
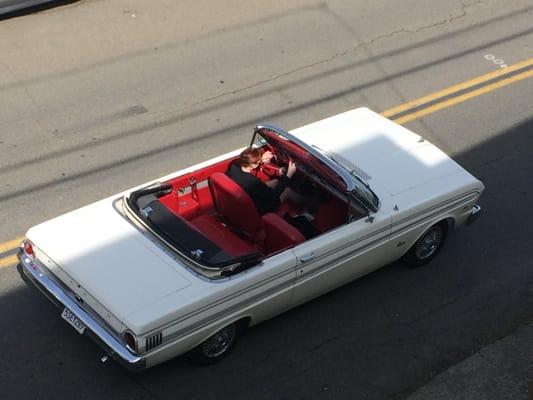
x: 71, y: 318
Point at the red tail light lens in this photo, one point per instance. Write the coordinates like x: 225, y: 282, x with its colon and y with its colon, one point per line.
x: 28, y: 249
x: 130, y: 341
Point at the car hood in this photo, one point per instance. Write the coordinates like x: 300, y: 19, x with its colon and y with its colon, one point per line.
x: 106, y: 257
x: 389, y: 157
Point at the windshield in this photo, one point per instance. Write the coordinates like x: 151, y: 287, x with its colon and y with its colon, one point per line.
x: 362, y: 189
x: 363, y: 192
x: 344, y: 178
x: 287, y: 147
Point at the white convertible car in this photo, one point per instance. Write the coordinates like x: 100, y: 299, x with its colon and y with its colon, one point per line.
x: 185, y: 263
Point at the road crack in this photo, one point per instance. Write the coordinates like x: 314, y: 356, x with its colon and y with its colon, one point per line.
x: 28, y: 95
x: 273, y: 78
x: 451, y: 18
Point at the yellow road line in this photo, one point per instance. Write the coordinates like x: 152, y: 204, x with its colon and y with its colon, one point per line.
x: 6, y: 262
x: 456, y: 88
x: 467, y: 96
x: 11, y: 244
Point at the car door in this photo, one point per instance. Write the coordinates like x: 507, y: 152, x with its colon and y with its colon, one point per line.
x: 260, y: 292
x: 340, y: 255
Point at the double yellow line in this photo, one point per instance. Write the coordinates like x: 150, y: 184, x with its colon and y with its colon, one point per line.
x: 401, y: 114
x: 460, y: 93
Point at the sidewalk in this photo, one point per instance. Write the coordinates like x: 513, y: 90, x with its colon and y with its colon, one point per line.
x: 500, y: 371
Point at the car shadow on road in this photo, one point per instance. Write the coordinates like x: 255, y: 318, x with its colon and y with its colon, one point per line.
x: 381, y: 336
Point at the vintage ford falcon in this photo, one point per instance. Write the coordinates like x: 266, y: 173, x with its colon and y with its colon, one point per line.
x: 186, y: 262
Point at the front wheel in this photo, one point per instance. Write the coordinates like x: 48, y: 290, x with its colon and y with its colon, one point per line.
x: 426, y: 248
x: 215, y: 347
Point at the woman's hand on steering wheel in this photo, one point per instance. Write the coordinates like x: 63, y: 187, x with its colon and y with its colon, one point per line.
x: 267, y: 157
x: 291, y: 168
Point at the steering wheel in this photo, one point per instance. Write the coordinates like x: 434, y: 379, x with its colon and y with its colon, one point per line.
x: 283, y: 158
x: 279, y: 163
x: 276, y: 168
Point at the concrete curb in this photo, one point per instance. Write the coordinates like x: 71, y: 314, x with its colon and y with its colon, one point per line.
x: 500, y: 371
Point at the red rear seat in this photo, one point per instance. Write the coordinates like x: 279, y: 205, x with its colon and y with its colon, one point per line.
x: 222, y: 236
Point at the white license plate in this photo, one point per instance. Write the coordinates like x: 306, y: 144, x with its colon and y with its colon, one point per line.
x: 71, y: 318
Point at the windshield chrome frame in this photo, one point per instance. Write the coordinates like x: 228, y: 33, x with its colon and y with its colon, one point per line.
x: 345, y: 175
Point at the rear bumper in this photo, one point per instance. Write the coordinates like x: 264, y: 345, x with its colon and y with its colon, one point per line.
x: 474, y: 215
x: 32, y: 272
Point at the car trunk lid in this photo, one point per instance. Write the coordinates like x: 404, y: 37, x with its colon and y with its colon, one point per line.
x: 109, y: 258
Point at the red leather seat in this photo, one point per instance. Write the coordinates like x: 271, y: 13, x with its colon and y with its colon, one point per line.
x: 271, y: 232
x: 224, y: 238
x: 279, y: 234
x: 331, y: 214
x: 235, y: 205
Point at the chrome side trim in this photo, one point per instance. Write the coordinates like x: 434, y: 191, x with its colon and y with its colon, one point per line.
x: 441, y: 208
x: 289, y: 282
x: 448, y: 203
x: 224, y: 313
x: 32, y: 271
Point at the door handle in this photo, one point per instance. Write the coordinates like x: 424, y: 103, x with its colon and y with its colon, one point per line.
x: 307, y: 257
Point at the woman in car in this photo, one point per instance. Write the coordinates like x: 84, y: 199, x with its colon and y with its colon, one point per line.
x: 267, y: 196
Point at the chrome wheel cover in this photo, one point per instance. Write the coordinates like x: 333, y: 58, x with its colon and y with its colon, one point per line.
x: 220, y: 342
x: 429, y: 243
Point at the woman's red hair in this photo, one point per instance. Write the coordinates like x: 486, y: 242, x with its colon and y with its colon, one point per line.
x: 250, y: 156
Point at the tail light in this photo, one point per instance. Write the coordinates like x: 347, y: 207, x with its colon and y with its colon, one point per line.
x: 27, y: 248
x: 130, y: 340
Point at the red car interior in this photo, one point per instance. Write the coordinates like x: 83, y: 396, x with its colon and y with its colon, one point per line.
x: 302, y: 156
x: 235, y: 206
x: 279, y: 234
x: 213, y: 228
x: 224, y: 213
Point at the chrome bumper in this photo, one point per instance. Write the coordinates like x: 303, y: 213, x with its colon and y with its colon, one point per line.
x: 32, y: 272
x: 476, y: 212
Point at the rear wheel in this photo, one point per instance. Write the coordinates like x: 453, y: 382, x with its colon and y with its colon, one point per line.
x: 215, y: 347
x: 427, y: 247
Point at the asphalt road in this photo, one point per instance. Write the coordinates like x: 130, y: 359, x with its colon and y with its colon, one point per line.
x: 97, y: 96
